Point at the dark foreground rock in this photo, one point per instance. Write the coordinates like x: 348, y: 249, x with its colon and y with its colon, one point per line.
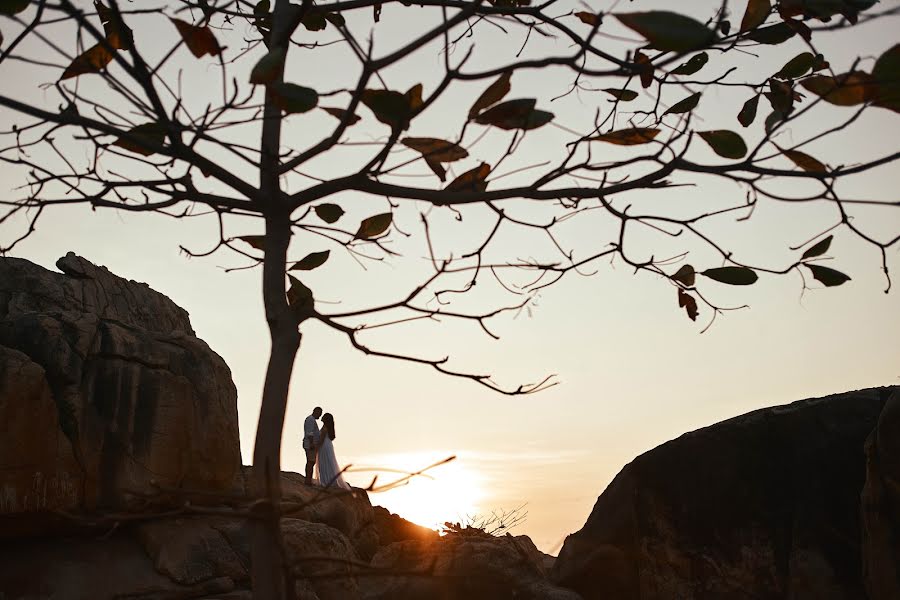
x: 766, y: 505
x: 351, y: 513
x: 462, y: 566
x: 881, y: 506
x: 208, y: 558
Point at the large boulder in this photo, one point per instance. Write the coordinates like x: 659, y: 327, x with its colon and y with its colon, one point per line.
x: 880, y: 509
x: 461, y: 567
x: 765, y: 505
x: 192, y: 549
x: 349, y: 512
x: 108, y: 396
x: 322, y: 561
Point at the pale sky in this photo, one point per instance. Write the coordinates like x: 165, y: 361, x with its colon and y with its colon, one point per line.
x: 634, y: 372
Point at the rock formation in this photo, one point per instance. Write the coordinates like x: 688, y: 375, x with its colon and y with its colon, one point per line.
x: 766, y: 505
x: 115, y: 415
x: 107, y: 395
x: 349, y: 513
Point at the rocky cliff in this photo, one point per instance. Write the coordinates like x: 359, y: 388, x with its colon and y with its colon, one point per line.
x: 766, y: 505
x: 106, y: 396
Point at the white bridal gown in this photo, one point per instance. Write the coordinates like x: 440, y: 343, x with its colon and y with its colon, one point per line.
x: 328, y: 473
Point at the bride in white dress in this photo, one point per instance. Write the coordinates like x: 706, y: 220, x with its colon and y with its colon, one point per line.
x: 328, y: 473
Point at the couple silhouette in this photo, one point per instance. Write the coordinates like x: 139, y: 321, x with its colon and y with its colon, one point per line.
x: 322, y: 467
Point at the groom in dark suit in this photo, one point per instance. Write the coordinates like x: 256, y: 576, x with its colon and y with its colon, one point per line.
x: 311, y: 441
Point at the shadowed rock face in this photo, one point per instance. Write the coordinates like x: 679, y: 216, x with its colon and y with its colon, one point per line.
x: 93, y: 568
x: 766, y: 505
x: 462, y: 567
x: 880, y: 511
x: 106, y: 394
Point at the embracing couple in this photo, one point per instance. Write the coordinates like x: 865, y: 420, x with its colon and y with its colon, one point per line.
x: 320, y: 455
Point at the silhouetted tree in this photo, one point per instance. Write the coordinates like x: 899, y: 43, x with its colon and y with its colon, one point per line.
x: 126, y: 126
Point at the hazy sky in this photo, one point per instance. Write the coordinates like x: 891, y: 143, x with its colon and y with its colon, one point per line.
x: 633, y: 370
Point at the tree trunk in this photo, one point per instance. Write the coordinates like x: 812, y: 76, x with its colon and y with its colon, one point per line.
x: 268, y: 566
x: 270, y: 579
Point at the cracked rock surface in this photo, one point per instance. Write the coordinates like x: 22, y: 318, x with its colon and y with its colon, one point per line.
x: 106, y: 396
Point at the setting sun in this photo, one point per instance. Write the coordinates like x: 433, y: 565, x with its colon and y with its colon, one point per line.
x: 449, y: 492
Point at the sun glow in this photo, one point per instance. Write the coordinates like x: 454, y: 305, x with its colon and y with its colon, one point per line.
x: 448, y: 492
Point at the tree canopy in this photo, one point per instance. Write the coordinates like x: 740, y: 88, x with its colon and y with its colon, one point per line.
x: 500, y: 145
